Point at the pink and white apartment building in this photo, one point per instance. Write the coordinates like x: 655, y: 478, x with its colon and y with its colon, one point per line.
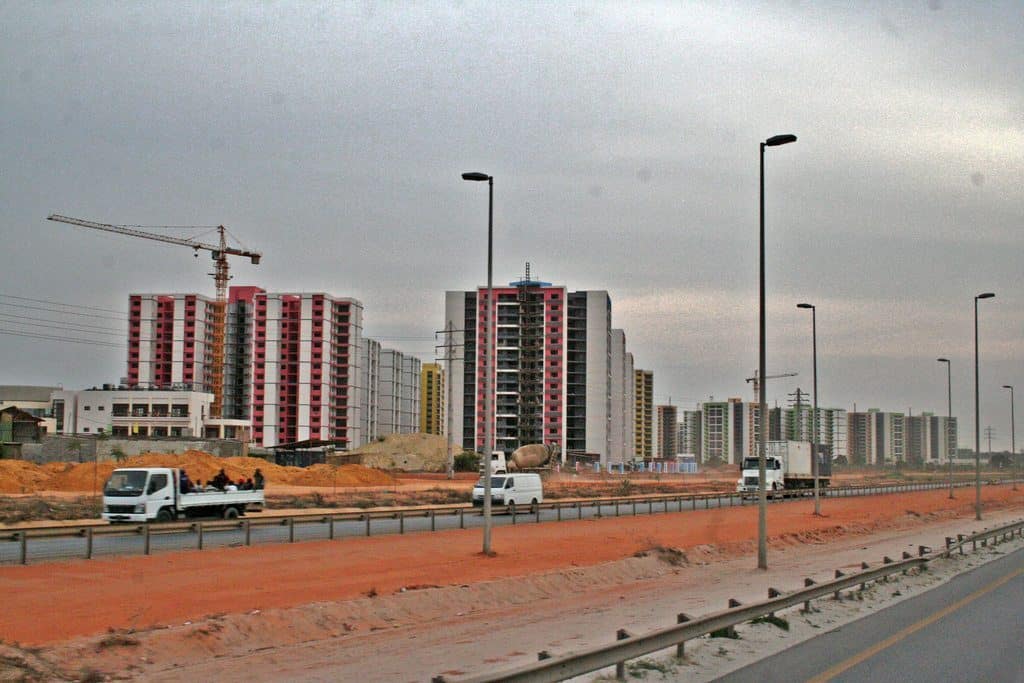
x: 291, y: 360
x: 551, y: 354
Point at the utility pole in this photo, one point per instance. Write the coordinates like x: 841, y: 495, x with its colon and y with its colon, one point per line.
x: 989, y: 433
x: 449, y: 356
x: 796, y: 402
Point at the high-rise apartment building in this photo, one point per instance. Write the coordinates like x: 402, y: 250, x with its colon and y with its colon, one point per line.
x: 690, y: 440
x: 432, y: 399
x: 620, y: 423
x: 551, y: 367
x: 668, y: 432
x: 729, y: 430
x: 290, y: 367
x: 398, y: 395
x: 929, y: 438
x: 875, y: 437
x: 643, y: 417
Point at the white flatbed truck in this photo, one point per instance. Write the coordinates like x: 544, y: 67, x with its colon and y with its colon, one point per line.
x: 153, y: 494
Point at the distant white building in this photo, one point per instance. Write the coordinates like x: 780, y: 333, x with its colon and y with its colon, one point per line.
x: 133, y: 412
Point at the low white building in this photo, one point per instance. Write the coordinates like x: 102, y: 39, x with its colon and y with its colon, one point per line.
x: 131, y: 412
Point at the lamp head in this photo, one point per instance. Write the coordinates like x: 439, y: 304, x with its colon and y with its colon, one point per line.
x: 805, y: 306
x: 475, y: 175
x: 1007, y: 386
x: 777, y: 140
x: 942, y: 360
x: 986, y: 295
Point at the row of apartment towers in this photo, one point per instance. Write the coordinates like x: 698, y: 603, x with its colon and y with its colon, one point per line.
x: 297, y: 367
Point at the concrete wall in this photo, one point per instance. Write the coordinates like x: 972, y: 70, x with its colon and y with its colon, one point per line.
x: 60, y: 448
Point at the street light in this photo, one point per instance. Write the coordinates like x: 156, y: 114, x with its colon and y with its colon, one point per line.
x: 1013, y: 437
x: 488, y: 436
x: 762, y: 437
x: 814, y: 413
x: 949, y: 418
x: 977, y: 414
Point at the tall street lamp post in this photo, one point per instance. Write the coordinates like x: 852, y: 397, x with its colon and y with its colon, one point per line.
x: 762, y: 438
x: 1013, y: 437
x: 488, y: 326
x: 814, y: 411
x: 949, y: 418
x: 977, y: 414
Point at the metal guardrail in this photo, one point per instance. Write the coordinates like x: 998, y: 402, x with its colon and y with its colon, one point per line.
x: 667, y: 502
x: 628, y: 646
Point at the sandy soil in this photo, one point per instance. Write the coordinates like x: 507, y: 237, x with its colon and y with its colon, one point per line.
x: 352, y: 609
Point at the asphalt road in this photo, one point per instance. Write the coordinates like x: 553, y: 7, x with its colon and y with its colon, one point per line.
x: 969, y: 629
x: 42, y: 549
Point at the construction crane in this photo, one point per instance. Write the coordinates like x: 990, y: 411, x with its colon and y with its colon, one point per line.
x: 219, y: 252
x: 757, y: 384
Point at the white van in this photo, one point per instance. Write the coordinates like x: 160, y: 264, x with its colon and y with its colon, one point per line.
x: 511, y: 489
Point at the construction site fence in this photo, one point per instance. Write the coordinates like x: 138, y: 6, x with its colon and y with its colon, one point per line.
x: 80, y: 540
x: 627, y: 646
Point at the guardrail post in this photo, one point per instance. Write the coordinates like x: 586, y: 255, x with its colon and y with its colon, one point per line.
x: 620, y: 667
x: 512, y: 509
x: 634, y: 508
x: 923, y: 550
x: 836, y: 595
x: 23, y: 543
x: 707, y: 502
x: 558, y: 511
x: 598, y: 509
x: 291, y: 530
x: 542, y: 655
x: 433, y: 521
x: 650, y: 507
x: 145, y: 536
x: 248, y: 530
x: 960, y: 540
x: 367, y: 524
x: 680, y: 501
x: 949, y: 542
x: 694, y: 501
x: 681, y: 618
x: 579, y: 510
x: 974, y: 541
x: 616, y: 508
x: 88, y: 543
x: 537, y: 513
x: 807, y: 603
x: 401, y: 522
x: 199, y: 537
x: 773, y: 593
x: 462, y: 518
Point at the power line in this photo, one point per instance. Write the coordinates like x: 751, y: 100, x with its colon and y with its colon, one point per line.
x: 57, y: 310
x: 74, y: 340
x: 96, y: 329
x: 58, y: 303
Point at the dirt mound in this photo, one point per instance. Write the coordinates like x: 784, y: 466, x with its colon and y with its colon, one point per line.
x: 19, y: 476
x: 410, y: 452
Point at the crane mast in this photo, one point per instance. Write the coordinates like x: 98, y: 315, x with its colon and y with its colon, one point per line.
x: 221, y: 275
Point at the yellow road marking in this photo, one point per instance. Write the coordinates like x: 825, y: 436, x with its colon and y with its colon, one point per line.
x: 853, y: 661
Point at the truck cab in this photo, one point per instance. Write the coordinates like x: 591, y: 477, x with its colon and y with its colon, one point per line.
x: 774, y: 476
x: 499, y: 464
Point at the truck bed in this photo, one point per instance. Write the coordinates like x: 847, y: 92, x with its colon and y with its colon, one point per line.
x: 207, y: 498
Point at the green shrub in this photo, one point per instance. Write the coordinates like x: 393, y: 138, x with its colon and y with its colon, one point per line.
x: 467, y: 461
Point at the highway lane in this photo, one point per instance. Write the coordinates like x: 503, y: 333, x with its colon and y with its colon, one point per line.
x: 43, y: 549
x: 969, y: 629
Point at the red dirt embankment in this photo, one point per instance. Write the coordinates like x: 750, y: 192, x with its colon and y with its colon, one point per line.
x: 141, y: 592
x: 18, y: 476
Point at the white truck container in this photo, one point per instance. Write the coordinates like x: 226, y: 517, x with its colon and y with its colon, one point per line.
x: 153, y: 494
x: 788, y: 467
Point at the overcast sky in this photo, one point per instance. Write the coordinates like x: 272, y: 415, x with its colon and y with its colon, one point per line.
x: 623, y: 138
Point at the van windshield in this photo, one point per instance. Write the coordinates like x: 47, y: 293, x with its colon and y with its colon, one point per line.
x: 496, y: 482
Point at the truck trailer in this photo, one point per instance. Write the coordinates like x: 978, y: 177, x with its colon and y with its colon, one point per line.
x: 153, y: 494
x: 788, y: 467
